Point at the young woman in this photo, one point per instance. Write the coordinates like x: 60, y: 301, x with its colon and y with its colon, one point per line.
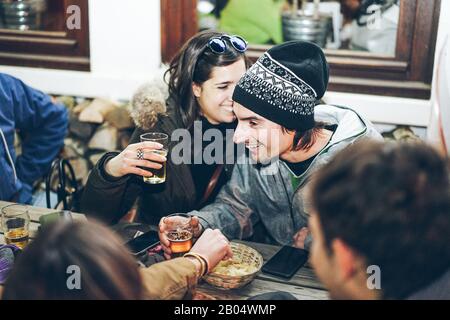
x: 201, y: 80
x: 48, y: 267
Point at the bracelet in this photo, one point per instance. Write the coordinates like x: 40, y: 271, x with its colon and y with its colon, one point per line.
x: 198, y: 273
x: 202, y: 265
x: 206, y: 264
x: 203, y: 261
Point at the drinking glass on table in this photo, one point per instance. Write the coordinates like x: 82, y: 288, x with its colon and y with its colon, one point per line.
x: 159, y: 175
x: 179, y: 232
x: 15, y: 221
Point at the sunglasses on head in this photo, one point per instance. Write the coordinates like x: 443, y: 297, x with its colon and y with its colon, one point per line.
x: 218, y: 45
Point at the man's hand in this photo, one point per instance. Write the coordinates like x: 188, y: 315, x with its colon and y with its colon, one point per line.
x: 300, y: 237
x: 163, y: 225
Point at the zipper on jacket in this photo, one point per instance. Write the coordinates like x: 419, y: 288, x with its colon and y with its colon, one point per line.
x: 9, y: 155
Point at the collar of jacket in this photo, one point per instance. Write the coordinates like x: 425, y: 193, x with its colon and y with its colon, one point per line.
x: 149, y: 103
x: 350, y: 125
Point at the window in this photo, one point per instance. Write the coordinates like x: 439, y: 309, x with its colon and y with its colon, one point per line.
x: 402, y: 66
x: 34, y: 33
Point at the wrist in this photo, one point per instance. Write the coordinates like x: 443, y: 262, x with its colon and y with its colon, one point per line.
x: 199, y: 231
x: 108, y: 168
x: 197, y: 264
x: 201, y: 259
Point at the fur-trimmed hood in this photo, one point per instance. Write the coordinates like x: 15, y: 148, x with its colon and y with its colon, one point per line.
x: 149, y: 103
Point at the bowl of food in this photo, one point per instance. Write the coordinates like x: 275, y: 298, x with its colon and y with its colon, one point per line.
x: 238, y: 271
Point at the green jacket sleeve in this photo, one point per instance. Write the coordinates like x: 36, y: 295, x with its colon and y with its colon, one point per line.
x: 258, y: 21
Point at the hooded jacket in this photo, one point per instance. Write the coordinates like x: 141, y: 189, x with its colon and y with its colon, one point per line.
x: 264, y: 196
x: 42, y: 127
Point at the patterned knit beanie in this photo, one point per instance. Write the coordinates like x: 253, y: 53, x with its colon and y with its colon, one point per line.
x: 285, y: 84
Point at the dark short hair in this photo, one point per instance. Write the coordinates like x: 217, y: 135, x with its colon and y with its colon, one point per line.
x: 107, y: 269
x: 305, y: 139
x: 390, y: 202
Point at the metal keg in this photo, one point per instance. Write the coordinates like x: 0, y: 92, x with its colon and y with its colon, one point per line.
x: 307, y: 28
x: 22, y: 14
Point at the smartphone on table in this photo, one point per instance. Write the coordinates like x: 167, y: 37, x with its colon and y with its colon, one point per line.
x: 142, y: 243
x: 286, y: 262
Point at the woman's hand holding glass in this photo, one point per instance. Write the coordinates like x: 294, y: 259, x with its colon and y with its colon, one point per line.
x: 134, y: 159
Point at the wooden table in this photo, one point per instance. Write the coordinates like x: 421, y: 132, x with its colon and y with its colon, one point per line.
x: 303, y: 285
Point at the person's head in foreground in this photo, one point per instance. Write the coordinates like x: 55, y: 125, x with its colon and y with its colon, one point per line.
x: 275, y: 100
x: 49, y: 266
x: 107, y: 269
x: 381, y: 222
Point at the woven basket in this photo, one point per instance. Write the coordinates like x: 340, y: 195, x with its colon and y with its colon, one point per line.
x: 241, y: 254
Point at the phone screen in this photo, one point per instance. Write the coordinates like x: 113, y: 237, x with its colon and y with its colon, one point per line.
x: 143, y: 242
x: 286, y: 262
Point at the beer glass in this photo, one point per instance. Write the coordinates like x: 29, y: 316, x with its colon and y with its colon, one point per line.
x: 179, y: 232
x: 159, y: 175
x: 15, y: 221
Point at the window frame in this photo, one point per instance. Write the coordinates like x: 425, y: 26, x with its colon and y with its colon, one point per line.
x: 407, y: 74
x: 65, y: 49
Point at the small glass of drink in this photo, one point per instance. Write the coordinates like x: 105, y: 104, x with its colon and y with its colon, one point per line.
x: 159, y: 175
x: 179, y: 232
x: 15, y: 221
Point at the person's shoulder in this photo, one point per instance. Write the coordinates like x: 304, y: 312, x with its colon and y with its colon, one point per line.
x: 10, y: 91
x: 7, y: 80
x: 6, y: 77
x: 437, y: 290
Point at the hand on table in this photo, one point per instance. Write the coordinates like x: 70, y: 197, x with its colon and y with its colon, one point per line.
x: 300, y: 237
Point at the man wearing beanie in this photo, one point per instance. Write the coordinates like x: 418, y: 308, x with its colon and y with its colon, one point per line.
x: 281, y: 123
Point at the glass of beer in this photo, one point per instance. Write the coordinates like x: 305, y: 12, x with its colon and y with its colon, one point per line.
x: 179, y: 232
x: 15, y: 221
x: 159, y: 175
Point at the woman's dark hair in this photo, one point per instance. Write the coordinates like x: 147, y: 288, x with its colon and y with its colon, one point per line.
x: 194, y: 64
x: 391, y: 204
x: 106, y: 268
x: 220, y: 5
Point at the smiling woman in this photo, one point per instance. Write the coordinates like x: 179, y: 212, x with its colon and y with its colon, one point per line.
x: 199, y: 72
x: 201, y: 79
x: 214, y: 95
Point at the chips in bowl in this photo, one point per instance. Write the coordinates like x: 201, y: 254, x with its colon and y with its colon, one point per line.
x: 237, y: 272
x: 234, y: 268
